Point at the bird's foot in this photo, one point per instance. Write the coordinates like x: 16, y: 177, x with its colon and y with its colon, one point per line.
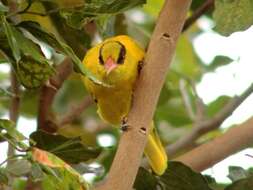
x: 124, y: 126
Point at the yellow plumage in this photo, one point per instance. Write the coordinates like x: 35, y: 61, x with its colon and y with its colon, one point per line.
x: 116, y: 62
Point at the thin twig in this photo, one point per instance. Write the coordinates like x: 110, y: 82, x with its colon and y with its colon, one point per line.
x: 48, y: 93
x: 161, y: 47
x: 13, y: 115
x: 41, y: 14
x: 14, y: 107
x: 15, y: 100
x: 208, y: 125
x: 22, y: 11
x: 206, y: 155
x: 75, y: 111
x: 186, y: 99
x: 14, y: 157
x: 33, y: 185
x: 200, y: 114
x: 207, y: 5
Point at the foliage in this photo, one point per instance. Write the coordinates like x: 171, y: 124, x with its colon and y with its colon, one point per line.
x: 35, y: 38
x: 232, y: 16
x: 72, y: 150
x: 176, y: 176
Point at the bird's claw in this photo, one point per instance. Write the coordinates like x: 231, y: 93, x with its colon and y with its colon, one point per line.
x: 124, y: 126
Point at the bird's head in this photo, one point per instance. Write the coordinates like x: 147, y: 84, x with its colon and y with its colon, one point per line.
x: 112, y: 55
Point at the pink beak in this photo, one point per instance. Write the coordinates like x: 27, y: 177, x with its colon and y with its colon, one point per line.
x: 110, y: 65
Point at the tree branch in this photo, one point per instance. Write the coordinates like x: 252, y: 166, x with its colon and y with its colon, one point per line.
x: 186, y: 99
x: 207, y: 5
x: 49, y: 91
x: 75, y: 111
x: 162, y: 47
x: 208, y: 125
x: 206, y: 155
x: 14, y: 108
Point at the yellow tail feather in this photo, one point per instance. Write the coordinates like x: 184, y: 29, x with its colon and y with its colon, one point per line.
x: 155, y: 152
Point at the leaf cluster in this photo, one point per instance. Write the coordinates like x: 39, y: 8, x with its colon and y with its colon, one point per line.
x: 38, y: 35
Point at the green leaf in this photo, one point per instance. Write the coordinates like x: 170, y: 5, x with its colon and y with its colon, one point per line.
x: 215, y: 106
x: 51, y: 40
x: 176, y: 177
x: 29, y: 103
x: 3, y: 60
x: 32, y: 68
x: 106, y: 25
x: 5, y: 92
x: 218, y: 61
x: 153, y: 7
x: 80, y: 66
x: 68, y: 181
x: 3, y: 177
x: 145, y: 180
x: 186, y: 62
x: 173, y: 111
x: 196, y: 4
x: 36, y: 172
x: 106, y: 159
x: 243, y: 184
x: 12, y: 135
x: 3, y: 8
x: 164, y: 95
x: 180, y: 177
x: 70, y: 150
x: 78, y: 92
x: 233, y: 15
x: 237, y: 173
x: 32, y: 74
x: 19, y: 184
x: 21, y: 44
x: 8, y: 29
x: 95, y: 8
x: 19, y: 168
x: 9, y: 126
x: 210, y: 179
x: 58, y: 174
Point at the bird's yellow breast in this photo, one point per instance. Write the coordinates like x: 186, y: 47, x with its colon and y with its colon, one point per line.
x: 114, y: 102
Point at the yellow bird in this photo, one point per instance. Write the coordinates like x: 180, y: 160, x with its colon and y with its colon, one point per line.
x: 116, y: 62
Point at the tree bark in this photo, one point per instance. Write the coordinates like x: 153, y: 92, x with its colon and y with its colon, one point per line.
x: 159, y: 55
x: 206, y: 155
x: 208, y: 125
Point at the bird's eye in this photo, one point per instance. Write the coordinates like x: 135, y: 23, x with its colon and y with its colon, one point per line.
x: 122, y: 54
x: 100, y: 57
x: 101, y: 61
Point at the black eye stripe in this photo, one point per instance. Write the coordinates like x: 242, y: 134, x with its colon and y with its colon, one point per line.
x: 122, y: 54
x: 121, y: 57
x: 100, y: 58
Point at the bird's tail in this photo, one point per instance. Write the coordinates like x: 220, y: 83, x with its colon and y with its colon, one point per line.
x: 155, y: 152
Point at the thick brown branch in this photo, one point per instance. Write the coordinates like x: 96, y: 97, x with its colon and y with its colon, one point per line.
x: 162, y: 47
x: 208, y: 125
x: 75, y: 111
x: 207, y: 5
x: 49, y: 91
x: 206, y: 155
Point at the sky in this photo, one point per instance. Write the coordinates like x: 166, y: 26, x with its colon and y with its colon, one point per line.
x: 228, y: 80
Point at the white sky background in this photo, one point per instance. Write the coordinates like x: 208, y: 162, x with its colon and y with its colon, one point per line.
x: 228, y: 80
